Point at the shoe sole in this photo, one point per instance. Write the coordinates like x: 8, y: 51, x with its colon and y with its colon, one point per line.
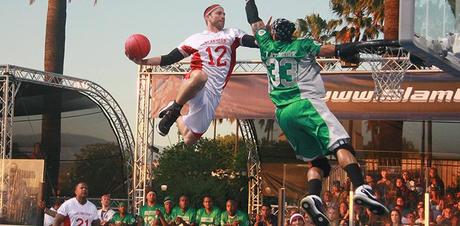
x: 374, y: 207
x: 319, y: 219
x: 164, y: 109
x: 159, y: 131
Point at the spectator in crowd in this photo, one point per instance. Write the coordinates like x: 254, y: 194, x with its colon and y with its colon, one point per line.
x: 105, y: 213
x: 406, y: 177
x: 166, y: 216
x: 436, y: 181
x: 296, y: 220
x: 446, y: 218
x: 208, y: 215
x: 408, y: 219
x: 185, y: 215
x: 449, y: 200
x: 122, y: 218
x: 457, y: 209
x: 395, y: 218
x: 385, y: 186
x: 233, y: 216
x: 266, y: 218
x: 400, y: 201
x: 343, y: 213
x: 79, y: 209
x: 420, y: 216
x: 338, y: 194
x: 331, y: 207
x: 370, y: 181
x: 50, y: 213
x: 360, y: 216
x: 148, y: 212
x: 401, y: 188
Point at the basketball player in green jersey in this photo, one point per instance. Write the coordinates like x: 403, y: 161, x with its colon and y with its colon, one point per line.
x: 296, y: 89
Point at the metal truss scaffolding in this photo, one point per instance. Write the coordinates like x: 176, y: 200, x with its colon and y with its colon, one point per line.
x: 255, y: 195
x: 144, y: 131
x: 13, y: 76
x: 144, y: 140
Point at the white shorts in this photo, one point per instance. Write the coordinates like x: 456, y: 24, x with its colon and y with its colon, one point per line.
x: 202, y: 109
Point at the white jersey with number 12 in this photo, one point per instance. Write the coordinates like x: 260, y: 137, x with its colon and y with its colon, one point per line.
x: 215, y: 54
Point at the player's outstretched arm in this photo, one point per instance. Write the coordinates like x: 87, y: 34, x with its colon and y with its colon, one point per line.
x: 173, y: 57
x: 253, y: 16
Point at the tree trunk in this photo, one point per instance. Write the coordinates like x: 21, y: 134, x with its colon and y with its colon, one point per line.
x: 391, y: 132
x: 54, y: 62
x: 391, y: 27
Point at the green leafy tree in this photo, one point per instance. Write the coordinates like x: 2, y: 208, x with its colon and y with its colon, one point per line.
x: 209, y: 167
x: 99, y: 165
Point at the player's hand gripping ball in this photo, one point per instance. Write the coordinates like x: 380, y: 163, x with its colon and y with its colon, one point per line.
x: 137, y: 46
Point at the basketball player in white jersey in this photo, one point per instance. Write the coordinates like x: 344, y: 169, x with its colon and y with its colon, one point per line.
x: 80, y: 211
x: 213, y: 53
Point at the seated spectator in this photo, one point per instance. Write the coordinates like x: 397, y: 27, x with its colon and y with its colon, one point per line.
x: 401, y: 188
x: 209, y: 214
x: 385, y: 186
x: 408, y: 219
x: 266, y: 218
x: 343, y: 214
x: 436, y: 181
x: 296, y: 220
x: 122, y: 217
x: 331, y: 207
x: 420, y: 216
x: 166, y: 216
x: 449, y: 200
x: 446, y: 218
x: 337, y: 192
x: 370, y: 181
x: 233, y: 216
x: 395, y: 218
x: 402, y: 203
x: 184, y: 214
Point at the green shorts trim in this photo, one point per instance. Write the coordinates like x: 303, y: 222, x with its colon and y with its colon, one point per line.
x: 310, y: 128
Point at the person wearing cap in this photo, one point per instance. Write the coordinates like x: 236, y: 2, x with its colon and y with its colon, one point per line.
x: 296, y: 220
x: 184, y: 215
x: 208, y: 215
x: 148, y: 212
x: 232, y: 216
x: 122, y: 218
x: 165, y: 215
x: 213, y: 53
x: 297, y: 90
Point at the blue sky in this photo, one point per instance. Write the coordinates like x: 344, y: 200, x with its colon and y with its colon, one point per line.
x: 95, y: 35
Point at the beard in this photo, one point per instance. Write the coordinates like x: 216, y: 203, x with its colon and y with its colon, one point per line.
x: 218, y: 24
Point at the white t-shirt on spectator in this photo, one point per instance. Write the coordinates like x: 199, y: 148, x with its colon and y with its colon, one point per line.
x: 79, y: 215
x: 106, y: 215
x: 49, y: 220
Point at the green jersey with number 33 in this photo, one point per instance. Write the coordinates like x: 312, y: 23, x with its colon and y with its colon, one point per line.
x: 292, y: 71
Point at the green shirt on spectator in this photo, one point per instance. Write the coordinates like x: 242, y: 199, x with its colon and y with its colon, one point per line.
x: 189, y: 216
x: 205, y: 219
x: 225, y: 219
x: 148, y: 213
x: 127, y: 219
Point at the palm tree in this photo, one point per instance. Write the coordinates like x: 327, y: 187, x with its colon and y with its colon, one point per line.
x: 53, y: 62
x: 363, y: 19
x: 317, y: 28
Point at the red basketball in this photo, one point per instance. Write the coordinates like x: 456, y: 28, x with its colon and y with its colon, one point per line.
x: 137, y: 46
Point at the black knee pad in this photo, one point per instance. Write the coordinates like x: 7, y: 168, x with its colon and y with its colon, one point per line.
x: 342, y: 144
x: 323, y: 164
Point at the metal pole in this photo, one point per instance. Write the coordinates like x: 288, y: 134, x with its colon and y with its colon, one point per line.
x: 281, y: 206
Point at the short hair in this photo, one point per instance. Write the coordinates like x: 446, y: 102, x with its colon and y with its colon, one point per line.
x: 80, y: 182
